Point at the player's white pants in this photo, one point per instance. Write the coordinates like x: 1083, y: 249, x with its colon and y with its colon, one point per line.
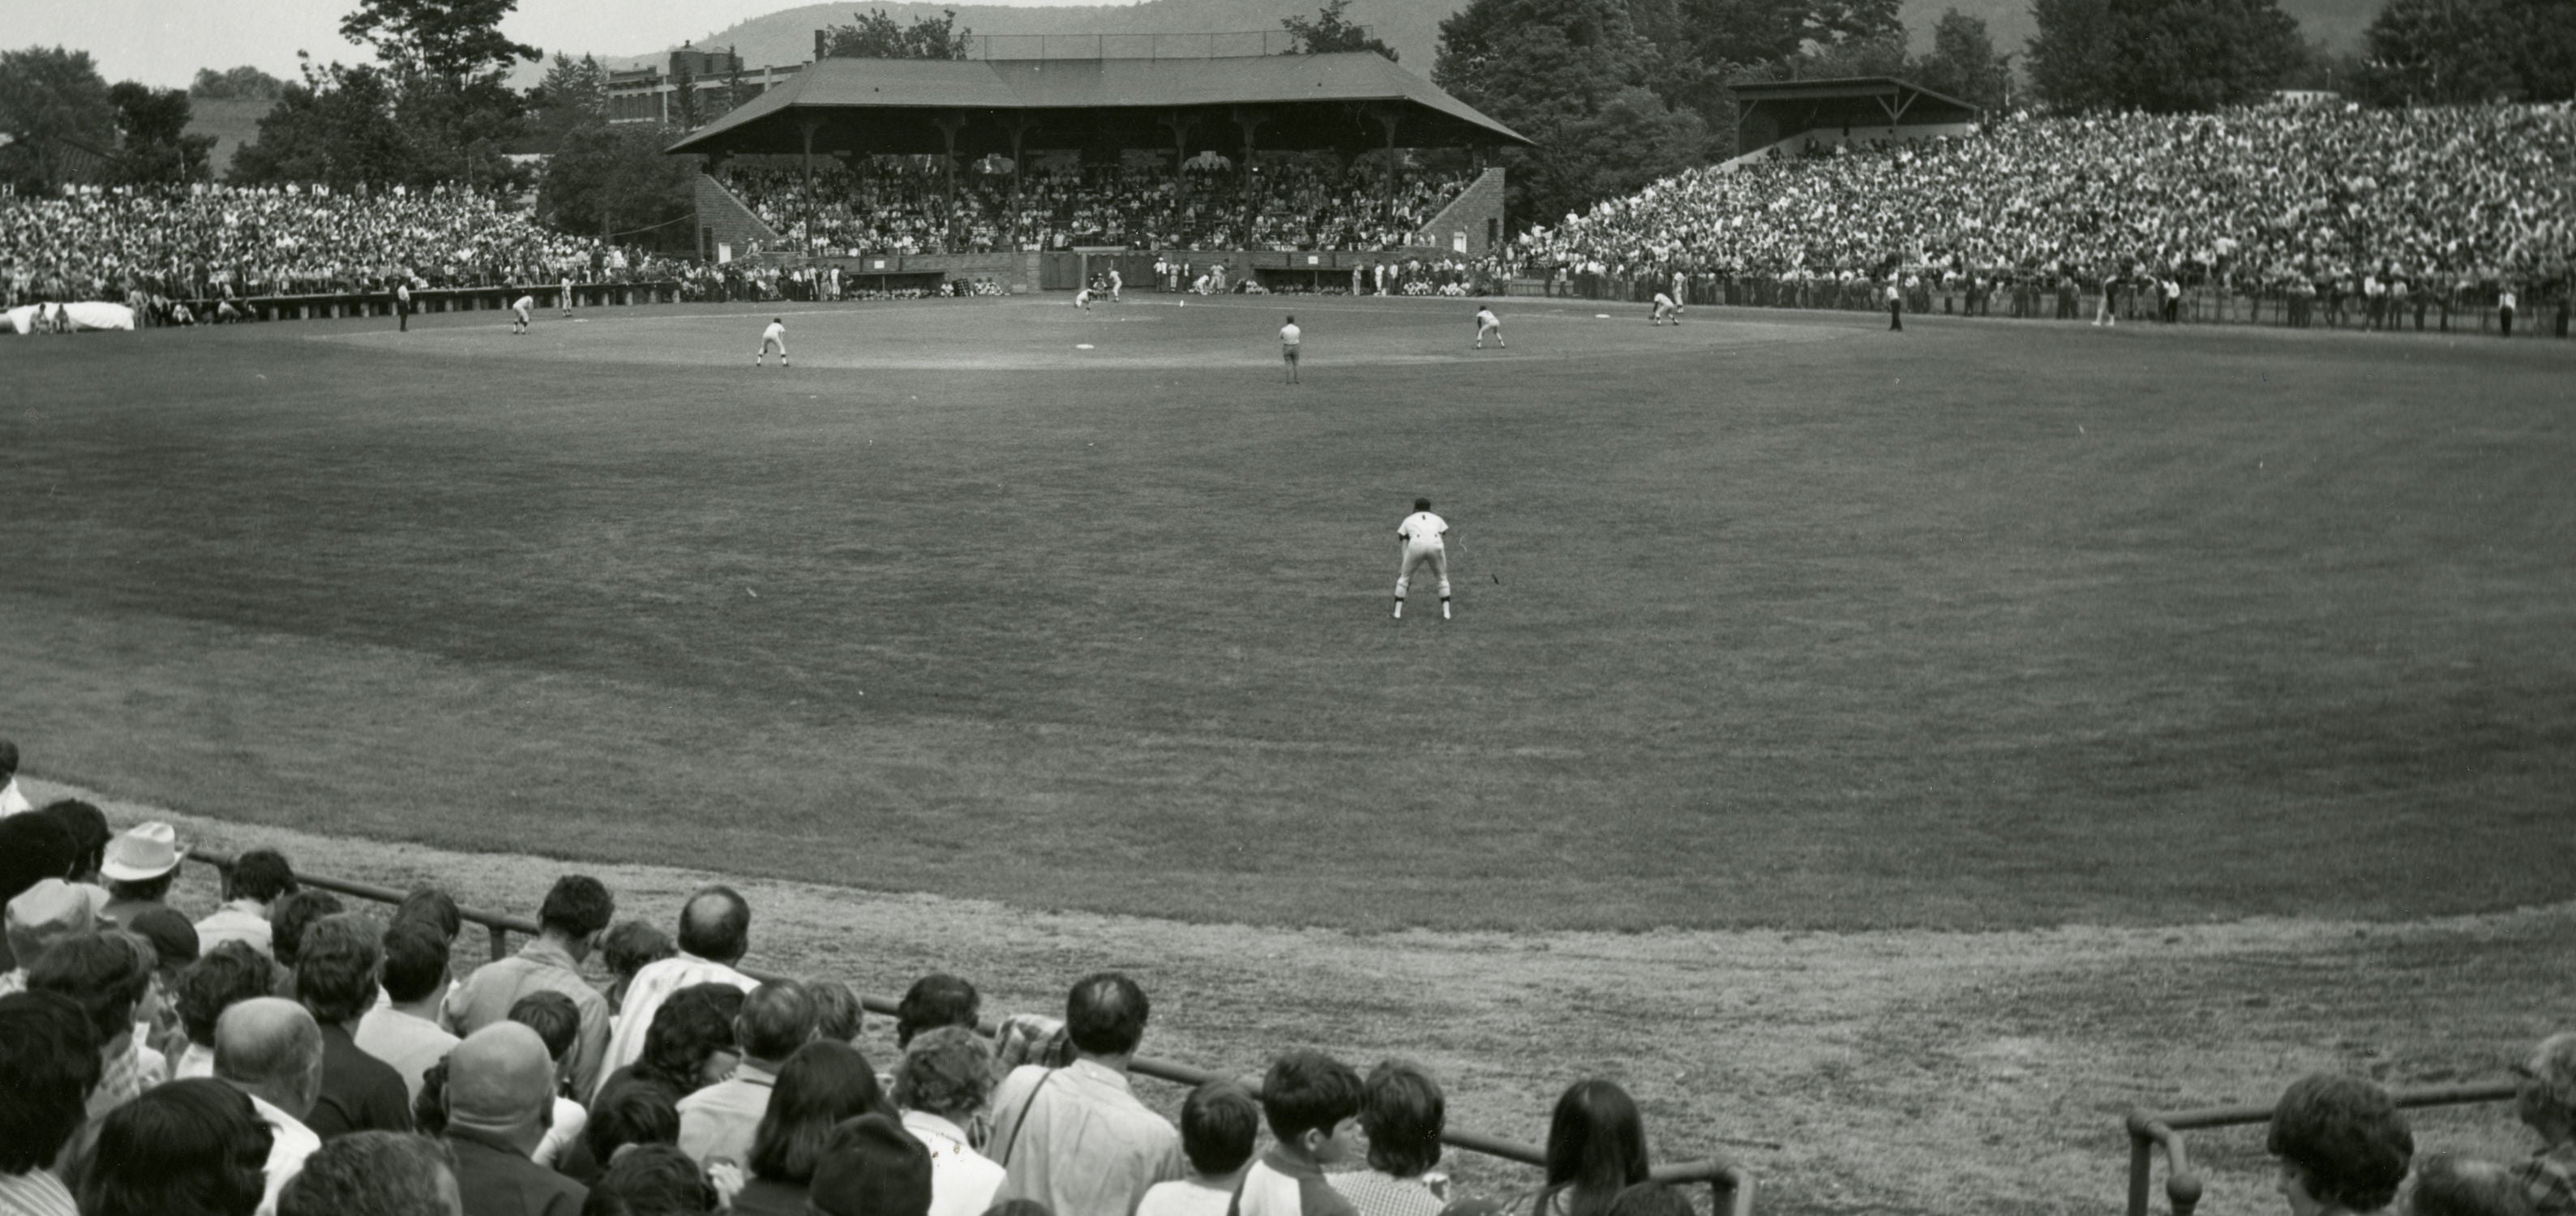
x: 1671, y: 312
x: 1484, y: 331
x: 1417, y: 555
x: 769, y: 344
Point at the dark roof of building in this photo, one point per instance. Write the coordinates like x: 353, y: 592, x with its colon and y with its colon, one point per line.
x: 1302, y: 102
x: 1852, y: 101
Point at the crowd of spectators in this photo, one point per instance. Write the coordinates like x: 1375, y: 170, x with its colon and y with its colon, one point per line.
x: 282, y: 1055
x: 893, y: 204
x: 214, y: 242
x: 2317, y: 198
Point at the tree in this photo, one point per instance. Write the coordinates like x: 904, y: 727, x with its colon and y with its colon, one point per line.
x: 2446, y: 51
x: 615, y: 181
x: 1567, y: 74
x: 55, y: 111
x: 1963, y: 62
x: 447, y: 38
x: 243, y: 83
x: 1632, y: 142
x: 876, y: 36
x: 154, y: 144
x: 1331, y: 32
x: 572, y: 95
x: 337, y: 127
x: 2160, y: 55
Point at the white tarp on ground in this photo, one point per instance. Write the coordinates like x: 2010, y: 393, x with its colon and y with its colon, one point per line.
x: 86, y: 314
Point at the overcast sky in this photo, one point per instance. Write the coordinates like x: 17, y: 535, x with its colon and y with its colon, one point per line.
x: 164, y: 42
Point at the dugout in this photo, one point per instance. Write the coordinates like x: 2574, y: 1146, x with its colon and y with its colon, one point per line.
x: 1787, y: 117
x: 1236, y: 107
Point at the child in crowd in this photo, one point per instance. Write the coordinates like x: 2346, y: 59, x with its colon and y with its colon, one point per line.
x: 1313, y: 1104
x: 1403, y: 1111
x: 1219, y: 1123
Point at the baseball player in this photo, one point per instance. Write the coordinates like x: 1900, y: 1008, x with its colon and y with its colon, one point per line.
x: 565, y: 296
x: 1666, y: 309
x: 1082, y: 299
x: 772, y: 338
x: 519, y: 313
x: 1117, y: 285
x: 1289, y: 338
x: 1488, y: 323
x: 1422, y: 531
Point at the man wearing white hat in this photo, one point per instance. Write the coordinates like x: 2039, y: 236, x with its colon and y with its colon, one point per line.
x: 138, y: 867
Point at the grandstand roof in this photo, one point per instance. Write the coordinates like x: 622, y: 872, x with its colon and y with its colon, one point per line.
x: 893, y: 105
x: 1851, y: 101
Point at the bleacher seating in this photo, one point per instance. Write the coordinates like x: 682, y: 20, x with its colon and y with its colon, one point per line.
x: 2320, y: 196
x: 899, y: 205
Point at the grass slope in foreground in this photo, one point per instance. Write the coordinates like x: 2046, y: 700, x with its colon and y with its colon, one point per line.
x: 1797, y: 622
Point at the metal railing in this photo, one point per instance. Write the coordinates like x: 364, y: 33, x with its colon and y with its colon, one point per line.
x: 2149, y: 1130
x: 1731, y: 1188
x: 2543, y: 310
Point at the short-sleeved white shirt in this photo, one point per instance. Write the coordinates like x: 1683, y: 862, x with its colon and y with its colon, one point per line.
x: 1422, y: 528
x: 1663, y: 301
x: 1486, y: 317
x: 1289, y: 334
x: 775, y: 333
x: 525, y: 303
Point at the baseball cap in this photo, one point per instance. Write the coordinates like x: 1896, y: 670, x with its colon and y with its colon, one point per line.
x: 147, y: 850
x: 872, y: 1167
x: 173, y: 939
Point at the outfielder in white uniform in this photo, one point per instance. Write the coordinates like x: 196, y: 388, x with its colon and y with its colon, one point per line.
x: 1488, y: 323
x: 772, y: 338
x: 1117, y: 285
x: 519, y: 311
x: 1082, y: 299
x: 1422, y: 531
x: 1666, y: 309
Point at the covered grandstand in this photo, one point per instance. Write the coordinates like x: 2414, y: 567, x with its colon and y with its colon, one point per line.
x: 1229, y: 110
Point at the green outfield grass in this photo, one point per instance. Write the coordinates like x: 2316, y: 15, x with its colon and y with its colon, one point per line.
x: 1771, y: 619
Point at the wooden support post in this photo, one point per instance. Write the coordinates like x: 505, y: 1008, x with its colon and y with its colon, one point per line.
x: 1181, y: 125
x: 1250, y: 124
x: 950, y: 122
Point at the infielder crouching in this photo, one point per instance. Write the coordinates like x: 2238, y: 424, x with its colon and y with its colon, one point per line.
x: 1422, y: 531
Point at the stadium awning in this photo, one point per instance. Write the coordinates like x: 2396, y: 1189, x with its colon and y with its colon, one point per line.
x: 1292, y: 102
x: 1852, y: 101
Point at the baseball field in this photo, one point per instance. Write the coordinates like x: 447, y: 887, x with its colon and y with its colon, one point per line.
x: 2220, y: 667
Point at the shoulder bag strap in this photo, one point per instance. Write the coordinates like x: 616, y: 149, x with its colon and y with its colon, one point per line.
x: 1023, y: 1120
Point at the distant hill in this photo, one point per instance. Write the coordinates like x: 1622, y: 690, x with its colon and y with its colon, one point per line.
x: 1412, y: 27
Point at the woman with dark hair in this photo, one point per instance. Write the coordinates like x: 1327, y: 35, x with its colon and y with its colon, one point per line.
x: 2343, y: 1147
x: 824, y: 1083
x: 1596, y: 1148
x: 689, y: 1047
x: 1403, y: 1112
x: 188, y: 1148
x: 87, y: 826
